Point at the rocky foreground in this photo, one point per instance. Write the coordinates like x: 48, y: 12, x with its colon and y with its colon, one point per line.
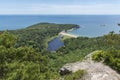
x: 95, y: 70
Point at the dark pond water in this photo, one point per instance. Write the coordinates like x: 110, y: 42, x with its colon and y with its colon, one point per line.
x: 55, y: 44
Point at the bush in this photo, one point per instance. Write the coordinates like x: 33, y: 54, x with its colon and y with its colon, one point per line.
x: 74, y: 76
x: 110, y: 57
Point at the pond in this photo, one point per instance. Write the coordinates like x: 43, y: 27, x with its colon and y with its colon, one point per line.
x: 55, y: 44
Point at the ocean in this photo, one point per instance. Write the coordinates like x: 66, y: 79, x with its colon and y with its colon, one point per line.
x: 90, y: 25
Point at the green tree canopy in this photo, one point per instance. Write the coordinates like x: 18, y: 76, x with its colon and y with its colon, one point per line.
x: 22, y: 63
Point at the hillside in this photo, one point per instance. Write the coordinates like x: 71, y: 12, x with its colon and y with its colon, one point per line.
x: 28, y: 49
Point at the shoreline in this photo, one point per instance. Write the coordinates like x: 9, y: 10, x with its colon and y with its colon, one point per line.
x: 67, y: 34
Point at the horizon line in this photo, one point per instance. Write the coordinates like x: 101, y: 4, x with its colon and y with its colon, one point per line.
x: 59, y: 14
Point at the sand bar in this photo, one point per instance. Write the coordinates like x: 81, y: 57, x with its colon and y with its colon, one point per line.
x: 67, y: 34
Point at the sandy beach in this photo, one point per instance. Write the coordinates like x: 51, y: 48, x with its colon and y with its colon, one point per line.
x: 67, y: 34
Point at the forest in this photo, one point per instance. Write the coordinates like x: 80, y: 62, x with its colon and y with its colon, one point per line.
x: 37, y: 35
x: 24, y: 54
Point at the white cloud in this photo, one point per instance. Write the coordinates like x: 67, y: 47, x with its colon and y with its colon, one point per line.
x: 60, y: 9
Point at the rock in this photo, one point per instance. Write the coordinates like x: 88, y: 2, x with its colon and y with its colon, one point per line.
x: 64, y: 71
x: 95, y: 70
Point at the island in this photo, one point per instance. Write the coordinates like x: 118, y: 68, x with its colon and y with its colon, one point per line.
x: 118, y: 24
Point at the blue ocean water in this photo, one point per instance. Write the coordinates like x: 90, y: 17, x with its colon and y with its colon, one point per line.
x: 90, y: 25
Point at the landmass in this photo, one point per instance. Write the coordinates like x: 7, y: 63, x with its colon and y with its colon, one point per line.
x: 24, y: 54
x: 119, y: 24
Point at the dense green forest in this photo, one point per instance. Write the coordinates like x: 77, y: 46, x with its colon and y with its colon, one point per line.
x: 24, y: 55
x: 37, y: 35
x: 22, y: 63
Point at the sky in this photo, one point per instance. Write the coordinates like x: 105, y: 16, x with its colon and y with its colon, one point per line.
x: 47, y: 7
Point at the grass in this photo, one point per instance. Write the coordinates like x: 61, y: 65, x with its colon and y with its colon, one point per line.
x: 66, y: 37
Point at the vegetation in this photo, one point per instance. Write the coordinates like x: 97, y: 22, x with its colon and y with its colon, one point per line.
x: 22, y: 63
x: 24, y: 55
x: 37, y: 35
x: 66, y: 37
x: 75, y: 76
x: 109, y: 57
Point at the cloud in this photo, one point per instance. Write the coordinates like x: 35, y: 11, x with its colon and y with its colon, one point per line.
x: 60, y: 9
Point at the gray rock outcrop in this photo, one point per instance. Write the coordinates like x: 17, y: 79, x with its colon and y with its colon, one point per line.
x: 95, y: 70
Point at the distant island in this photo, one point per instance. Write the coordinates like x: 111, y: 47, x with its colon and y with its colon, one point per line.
x: 103, y: 25
x: 118, y: 24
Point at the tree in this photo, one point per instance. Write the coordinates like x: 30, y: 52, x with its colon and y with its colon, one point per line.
x: 7, y: 40
x: 22, y: 63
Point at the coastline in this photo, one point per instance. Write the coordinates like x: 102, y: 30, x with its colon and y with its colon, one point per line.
x: 67, y: 34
